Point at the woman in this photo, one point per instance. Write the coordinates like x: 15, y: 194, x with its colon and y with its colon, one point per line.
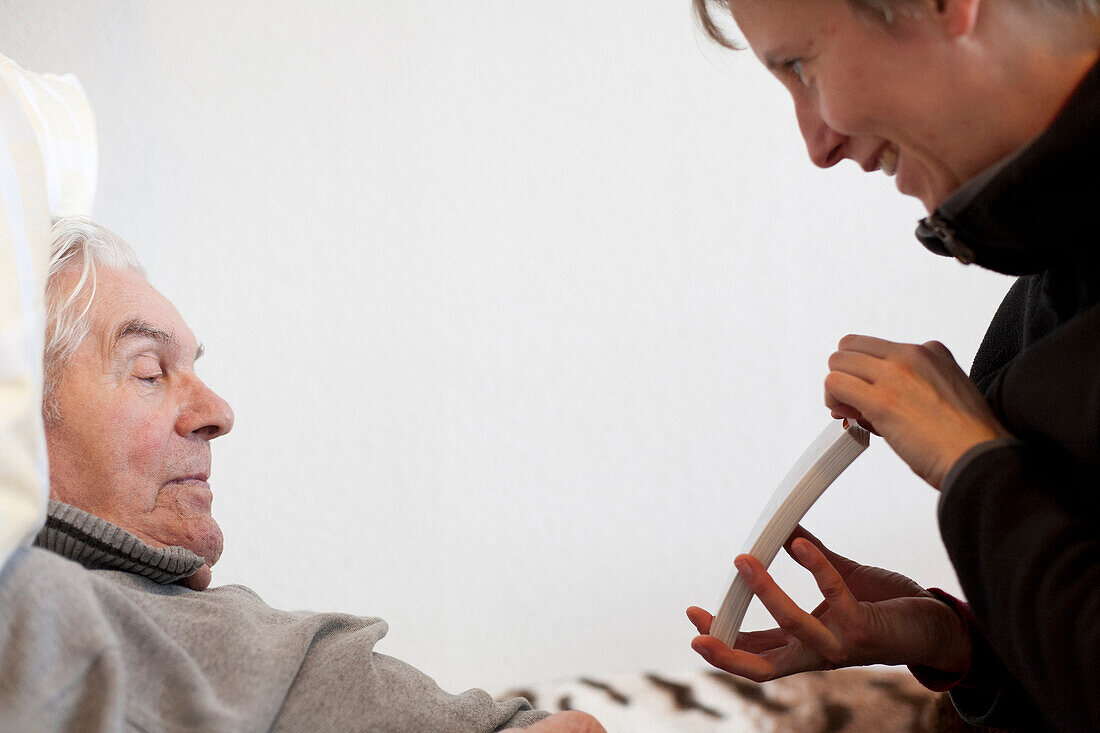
x: 987, y: 111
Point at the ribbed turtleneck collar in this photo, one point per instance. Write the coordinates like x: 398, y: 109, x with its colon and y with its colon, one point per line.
x: 1033, y: 211
x: 97, y: 544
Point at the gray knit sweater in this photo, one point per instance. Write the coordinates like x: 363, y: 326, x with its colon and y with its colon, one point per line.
x: 102, y: 649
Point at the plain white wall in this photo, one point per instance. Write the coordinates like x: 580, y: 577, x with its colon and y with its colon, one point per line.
x: 524, y: 308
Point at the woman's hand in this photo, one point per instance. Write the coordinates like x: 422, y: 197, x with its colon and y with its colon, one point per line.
x: 869, y: 616
x: 916, y: 397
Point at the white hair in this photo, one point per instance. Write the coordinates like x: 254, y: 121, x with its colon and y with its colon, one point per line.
x: 78, y: 243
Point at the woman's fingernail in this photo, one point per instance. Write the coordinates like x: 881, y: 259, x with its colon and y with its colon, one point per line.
x: 802, y: 552
x: 745, y: 569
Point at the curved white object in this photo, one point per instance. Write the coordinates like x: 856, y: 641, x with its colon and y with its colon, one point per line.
x: 825, y: 459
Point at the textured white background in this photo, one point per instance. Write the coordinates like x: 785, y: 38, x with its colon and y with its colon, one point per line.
x: 523, y: 307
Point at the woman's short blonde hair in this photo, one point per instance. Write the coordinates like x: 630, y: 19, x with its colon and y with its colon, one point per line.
x: 881, y: 10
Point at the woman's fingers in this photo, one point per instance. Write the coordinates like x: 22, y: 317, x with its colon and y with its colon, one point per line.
x: 876, y: 361
x: 773, y: 660
x: 869, y: 615
x: 792, y: 619
x: 758, y: 642
x: 800, y: 531
x: 700, y: 619
x: 857, y: 364
x: 749, y: 641
x: 829, y: 580
x: 750, y: 655
x: 869, y: 345
x: 915, y: 396
x: 941, y: 354
x: 735, y: 661
x: 841, y: 563
x: 845, y: 393
x: 753, y: 642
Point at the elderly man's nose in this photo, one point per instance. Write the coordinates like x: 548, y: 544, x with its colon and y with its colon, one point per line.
x: 206, y: 414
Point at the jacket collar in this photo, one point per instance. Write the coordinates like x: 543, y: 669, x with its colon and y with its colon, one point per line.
x: 1029, y: 212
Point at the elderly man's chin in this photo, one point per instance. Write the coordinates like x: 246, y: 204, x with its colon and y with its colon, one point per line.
x: 203, y: 536
x: 199, y: 581
x: 183, y: 517
x: 184, y: 508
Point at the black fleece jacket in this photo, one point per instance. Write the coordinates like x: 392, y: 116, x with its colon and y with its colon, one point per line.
x: 1021, y: 518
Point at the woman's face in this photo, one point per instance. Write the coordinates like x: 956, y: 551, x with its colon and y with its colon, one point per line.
x: 882, y: 95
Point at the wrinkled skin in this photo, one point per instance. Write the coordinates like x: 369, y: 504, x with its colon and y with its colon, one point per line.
x: 132, y: 444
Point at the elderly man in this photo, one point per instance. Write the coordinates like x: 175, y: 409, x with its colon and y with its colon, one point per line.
x: 109, y: 622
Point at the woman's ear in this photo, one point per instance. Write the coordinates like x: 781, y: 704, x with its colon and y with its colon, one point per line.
x: 958, y: 17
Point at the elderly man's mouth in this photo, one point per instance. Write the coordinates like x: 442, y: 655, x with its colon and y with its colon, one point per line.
x: 191, y: 481
x: 193, y: 491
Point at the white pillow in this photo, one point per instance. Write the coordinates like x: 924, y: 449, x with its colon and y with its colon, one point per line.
x: 48, y: 160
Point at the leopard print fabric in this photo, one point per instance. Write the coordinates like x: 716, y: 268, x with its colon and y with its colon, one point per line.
x: 709, y: 701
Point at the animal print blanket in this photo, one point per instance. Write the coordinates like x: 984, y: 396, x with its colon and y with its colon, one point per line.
x: 710, y: 701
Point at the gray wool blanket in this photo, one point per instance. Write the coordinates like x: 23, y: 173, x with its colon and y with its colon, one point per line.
x: 113, y: 649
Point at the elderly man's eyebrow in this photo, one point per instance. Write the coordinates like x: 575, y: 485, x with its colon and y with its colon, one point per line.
x: 137, y: 328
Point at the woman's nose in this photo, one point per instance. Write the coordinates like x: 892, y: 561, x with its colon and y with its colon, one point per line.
x: 825, y: 145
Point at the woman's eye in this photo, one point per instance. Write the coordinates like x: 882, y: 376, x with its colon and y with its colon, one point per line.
x: 795, y: 66
x: 152, y: 379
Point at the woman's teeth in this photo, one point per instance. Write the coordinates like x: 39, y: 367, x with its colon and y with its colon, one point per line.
x: 888, y: 159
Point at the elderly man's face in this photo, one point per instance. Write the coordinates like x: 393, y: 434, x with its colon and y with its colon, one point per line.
x: 132, y: 444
